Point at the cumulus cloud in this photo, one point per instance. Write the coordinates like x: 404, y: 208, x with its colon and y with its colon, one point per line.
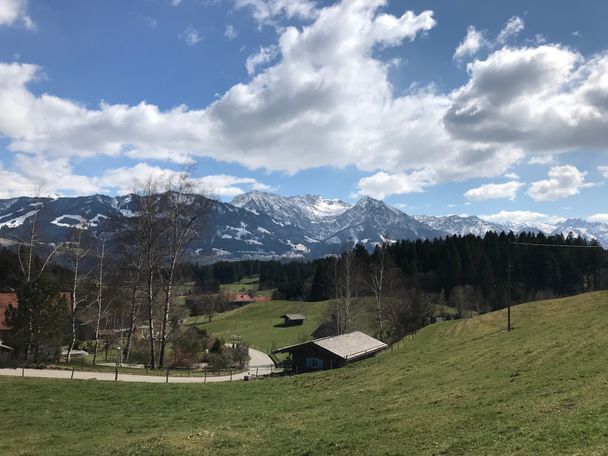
x: 326, y: 100
x: 563, y: 181
x: 603, y: 170
x: 190, y: 36
x: 14, y: 12
x: 522, y: 217
x: 598, y: 218
x: 382, y: 184
x: 264, y: 55
x: 508, y: 190
x: 547, y: 99
x: 121, y: 180
x: 470, y: 45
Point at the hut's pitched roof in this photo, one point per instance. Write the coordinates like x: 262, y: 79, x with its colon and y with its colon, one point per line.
x: 346, y: 346
x: 293, y: 316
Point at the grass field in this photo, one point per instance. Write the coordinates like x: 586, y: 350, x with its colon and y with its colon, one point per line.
x: 258, y: 323
x: 462, y: 387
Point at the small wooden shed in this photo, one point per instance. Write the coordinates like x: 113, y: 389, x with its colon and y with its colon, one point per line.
x: 6, y: 352
x: 332, y: 352
x: 293, y: 319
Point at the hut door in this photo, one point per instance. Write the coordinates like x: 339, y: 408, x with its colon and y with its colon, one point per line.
x: 314, y: 363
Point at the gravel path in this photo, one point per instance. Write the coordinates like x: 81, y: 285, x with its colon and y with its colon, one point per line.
x: 259, y: 362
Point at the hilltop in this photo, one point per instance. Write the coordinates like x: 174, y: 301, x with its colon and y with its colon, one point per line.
x: 459, y: 387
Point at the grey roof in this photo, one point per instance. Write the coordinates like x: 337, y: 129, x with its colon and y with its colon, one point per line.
x: 347, y: 346
x: 351, y: 345
x: 294, y: 316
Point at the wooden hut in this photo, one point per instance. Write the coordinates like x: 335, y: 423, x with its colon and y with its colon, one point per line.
x: 332, y: 352
x: 293, y: 319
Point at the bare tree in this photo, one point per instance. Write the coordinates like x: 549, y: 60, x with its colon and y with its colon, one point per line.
x: 149, y: 229
x: 183, y: 217
x: 346, y: 291
x: 99, y: 298
x: 76, y: 253
x: 376, y: 286
x: 25, y: 254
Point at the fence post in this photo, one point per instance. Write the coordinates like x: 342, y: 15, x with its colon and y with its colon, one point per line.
x: 256, y: 371
x: 167, y: 377
x: 82, y: 364
x: 205, y: 376
x: 23, y: 371
x: 230, y: 374
x: 116, y: 372
x: 72, y: 376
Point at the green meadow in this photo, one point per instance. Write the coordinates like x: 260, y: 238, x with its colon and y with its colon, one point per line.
x: 464, y: 387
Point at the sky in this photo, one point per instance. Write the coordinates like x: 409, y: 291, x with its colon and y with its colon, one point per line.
x: 497, y: 109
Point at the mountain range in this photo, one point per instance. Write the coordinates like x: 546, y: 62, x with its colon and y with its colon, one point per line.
x: 260, y: 225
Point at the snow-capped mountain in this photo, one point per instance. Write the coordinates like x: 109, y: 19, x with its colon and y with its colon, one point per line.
x: 583, y: 228
x: 457, y: 225
x: 314, y: 214
x: 262, y: 225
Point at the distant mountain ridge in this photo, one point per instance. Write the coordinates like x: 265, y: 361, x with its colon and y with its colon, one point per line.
x: 264, y: 225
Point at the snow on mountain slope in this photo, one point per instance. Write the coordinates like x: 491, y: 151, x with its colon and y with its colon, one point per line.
x: 265, y: 226
x: 457, y: 225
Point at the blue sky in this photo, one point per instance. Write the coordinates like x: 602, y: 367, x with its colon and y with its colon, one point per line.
x: 438, y: 107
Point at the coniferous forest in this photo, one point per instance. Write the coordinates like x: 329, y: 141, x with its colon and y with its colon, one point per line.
x: 470, y: 268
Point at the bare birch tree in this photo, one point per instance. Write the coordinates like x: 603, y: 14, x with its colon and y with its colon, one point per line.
x: 183, y: 217
x: 76, y: 253
x: 25, y: 254
x: 376, y: 286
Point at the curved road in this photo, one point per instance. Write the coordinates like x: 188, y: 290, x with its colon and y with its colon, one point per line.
x: 259, y: 362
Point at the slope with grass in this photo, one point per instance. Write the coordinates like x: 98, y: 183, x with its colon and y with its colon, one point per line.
x: 460, y: 387
x: 259, y: 324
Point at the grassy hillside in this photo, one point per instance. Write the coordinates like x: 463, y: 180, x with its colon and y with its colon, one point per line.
x: 460, y: 387
x: 258, y: 323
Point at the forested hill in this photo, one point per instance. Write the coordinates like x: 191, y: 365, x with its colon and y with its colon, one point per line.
x: 464, y: 270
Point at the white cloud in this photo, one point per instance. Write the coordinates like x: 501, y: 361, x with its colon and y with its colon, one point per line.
x: 470, y: 45
x: 563, y: 181
x: 511, y: 29
x: 264, y: 55
x: 494, y: 191
x: 121, y: 181
x: 603, y: 170
x: 176, y: 2
x: 230, y: 32
x: 382, y: 184
x: 544, y: 99
x: 57, y: 177
x: 513, y: 176
x: 13, y: 12
x: 543, y: 160
x: 522, y: 217
x: 190, y: 36
x: 265, y: 11
x: 598, y: 218
x: 327, y: 101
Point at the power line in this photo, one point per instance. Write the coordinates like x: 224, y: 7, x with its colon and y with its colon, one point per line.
x: 559, y: 245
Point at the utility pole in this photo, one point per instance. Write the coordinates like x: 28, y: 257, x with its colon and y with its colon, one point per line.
x: 509, y: 267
